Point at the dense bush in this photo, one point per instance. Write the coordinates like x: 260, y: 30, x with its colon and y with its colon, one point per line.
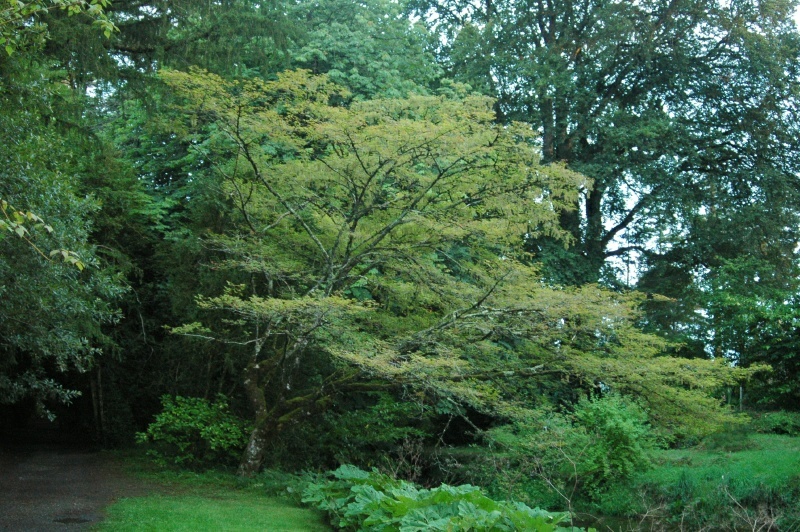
x: 615, y: 440
x: 558, y: 457
x: 357, y: 500
x: 194, y: 432
x: 371, y: 435
x: 779, y: 422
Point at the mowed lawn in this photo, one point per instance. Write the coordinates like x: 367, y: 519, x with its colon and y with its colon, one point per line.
x: 235, y: 510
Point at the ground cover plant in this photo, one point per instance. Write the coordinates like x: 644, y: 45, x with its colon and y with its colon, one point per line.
x: 360, y: 500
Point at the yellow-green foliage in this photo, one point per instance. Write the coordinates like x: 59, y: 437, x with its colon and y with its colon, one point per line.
x: 386, y: 236
x: 326, y: 193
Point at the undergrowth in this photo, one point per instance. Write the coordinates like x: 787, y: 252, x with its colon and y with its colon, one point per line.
x: 358, y: 500
x: 731, y: 481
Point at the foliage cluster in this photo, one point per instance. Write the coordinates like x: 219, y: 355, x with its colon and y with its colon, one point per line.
x: 17, y: 222
x: 561, y: 458
x: 58, y: 294
x: 778, y: 422
x: 357, y: 500
x: 193, y: 432
x: 616, y: 437
x: 360, y: 435
x: 21, y: 26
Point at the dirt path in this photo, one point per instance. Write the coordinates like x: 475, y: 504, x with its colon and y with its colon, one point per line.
x: 57, y: 487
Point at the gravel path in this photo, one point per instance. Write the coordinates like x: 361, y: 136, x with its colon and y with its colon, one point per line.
x: 57, y: 487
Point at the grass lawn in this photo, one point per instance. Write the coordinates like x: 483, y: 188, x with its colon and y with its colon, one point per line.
x: 183, y: 500
x: 236, y: 510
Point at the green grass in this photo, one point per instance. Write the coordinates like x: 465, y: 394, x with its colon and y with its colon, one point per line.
x: 232, y: 511
x: 213, y: 500
x: 769, y: 460
x: 732, y: 481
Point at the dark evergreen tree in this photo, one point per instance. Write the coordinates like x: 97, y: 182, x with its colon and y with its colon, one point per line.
x: 679, y: 110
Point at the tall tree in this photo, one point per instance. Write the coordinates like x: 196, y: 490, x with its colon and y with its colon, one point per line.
x: 382, y: 240
x: 52, y: 311
x: 371, y: 48
x: 676, y: 109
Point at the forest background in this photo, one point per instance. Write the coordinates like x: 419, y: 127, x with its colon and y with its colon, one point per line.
x: 534, y: 236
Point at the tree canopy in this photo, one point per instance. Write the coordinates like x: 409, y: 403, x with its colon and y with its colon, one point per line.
x: 649, y: 100
x: 57, y: 292
x: 384, y: 241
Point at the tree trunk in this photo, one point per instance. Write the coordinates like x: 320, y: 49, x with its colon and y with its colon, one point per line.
x: 95, y: 407
x: 255, y: 452
x: 101, y: 404
x: 256, y: 449
x: 548, y: 133
x: 594, y: 248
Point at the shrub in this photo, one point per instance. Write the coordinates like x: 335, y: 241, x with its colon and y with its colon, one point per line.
x: 780, y: 422
x: 564, y: 460
x: 616, y: 440
x: 195, y: 433
x: 366, y: 436
x: 525, y: 460
x: 357, y: 500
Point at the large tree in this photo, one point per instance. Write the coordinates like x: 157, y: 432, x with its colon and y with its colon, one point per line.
x: 57, y: 292
x: 383, y: 240
x: 681, y: 111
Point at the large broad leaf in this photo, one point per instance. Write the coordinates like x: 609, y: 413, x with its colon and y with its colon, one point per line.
x: 349, y: 472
